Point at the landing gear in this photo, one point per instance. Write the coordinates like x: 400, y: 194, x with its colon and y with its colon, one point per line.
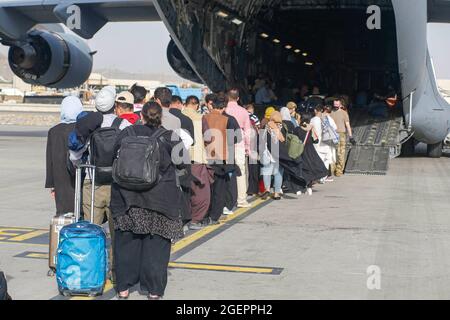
x: 408, y: 148
x: 435, y: 150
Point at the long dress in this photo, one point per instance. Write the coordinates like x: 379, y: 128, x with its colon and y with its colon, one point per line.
x: 57, y: 174
x: 293, y: 178
x: 313, y: 167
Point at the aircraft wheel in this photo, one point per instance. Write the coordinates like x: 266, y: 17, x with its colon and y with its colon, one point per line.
x: 434, y: 150
x: 408, y: 148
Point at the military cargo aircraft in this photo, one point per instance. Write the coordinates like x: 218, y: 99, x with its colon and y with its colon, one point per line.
x: 352, y: 44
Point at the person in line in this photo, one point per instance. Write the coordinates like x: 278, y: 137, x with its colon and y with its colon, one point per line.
x: 176, y: 108
x: 253, y: 165
x: 342, y: 120
x: 58, y: 178
x: 313, y: 167
x: 207, y: 106
x: 268, y: 112
x: 323, y: 149
x: 270, y: 157
x: 104, y: 104
x: 293, y: 181
x: 327, y: 117
x: 146, y: 222
x: 295, y: 117
x: 163, y: 97
x: 125, y: 107
x: 217, y: 154
x: 242, y: 149
x: 139, y: 93
x: 203, y: 175
x: 234, y: 137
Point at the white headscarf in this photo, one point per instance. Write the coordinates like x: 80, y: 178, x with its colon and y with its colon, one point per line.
x: 285, y: 114
x: 71, y: 107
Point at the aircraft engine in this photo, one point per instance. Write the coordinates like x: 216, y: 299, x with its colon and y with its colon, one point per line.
x: 179, y: 63
x: 51, y: 59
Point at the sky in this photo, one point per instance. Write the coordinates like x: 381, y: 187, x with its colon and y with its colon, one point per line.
x: 116, y: 46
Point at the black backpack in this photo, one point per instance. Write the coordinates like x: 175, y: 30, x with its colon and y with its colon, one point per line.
x: 137, y: 165
x: 3, y: 288
x: 101, y: 151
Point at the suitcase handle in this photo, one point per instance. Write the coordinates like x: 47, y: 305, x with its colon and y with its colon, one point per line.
x: 78, y: 190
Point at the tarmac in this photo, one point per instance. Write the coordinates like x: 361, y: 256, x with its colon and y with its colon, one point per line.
x: 359, y: 237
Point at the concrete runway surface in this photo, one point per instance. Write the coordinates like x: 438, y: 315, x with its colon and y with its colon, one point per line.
x: 317, y: 247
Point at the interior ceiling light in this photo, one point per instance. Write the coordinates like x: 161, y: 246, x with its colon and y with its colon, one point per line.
x: 237, y: 21
x: 222, y: 14
x: 276, y: 40
x: 264, y: 35
x: 297, y: 51
x: 289, y: 47
x: 309, y: 63
x: 305, y: 54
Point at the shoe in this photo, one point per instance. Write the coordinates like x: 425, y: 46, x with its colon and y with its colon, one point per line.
x: 277, y: 198
x: 299, y: 193
x: 152, y: 297
x: 244, y: 205
x: 123, y: 296
x: 195, y: 226
x: 265, y: 195
x: 329, y: 179
x: 309, y: 191
x: 227, y: 212
x: 322, y: 181
x: 213, y: 222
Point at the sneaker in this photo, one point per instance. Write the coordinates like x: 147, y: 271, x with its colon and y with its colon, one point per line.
x: 244, y: 205
x: 329, y: 179
x: 195, y: 226
x: 227, y: 212
x: 299, y: 193
x: 322, y: 181
x: 309, y: 191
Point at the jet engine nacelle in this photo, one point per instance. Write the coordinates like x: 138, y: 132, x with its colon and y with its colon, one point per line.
x: 50, y: 59
x: 179, y: 63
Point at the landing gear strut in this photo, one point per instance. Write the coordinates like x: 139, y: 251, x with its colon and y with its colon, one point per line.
x: 434, y: 150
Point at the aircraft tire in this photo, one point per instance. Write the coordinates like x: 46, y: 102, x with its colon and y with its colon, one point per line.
x: 408, y: 148
x: 434, y: 150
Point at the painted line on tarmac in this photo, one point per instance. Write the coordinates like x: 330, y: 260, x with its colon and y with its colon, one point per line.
x: 191, y: 242
x: 225, y: 268
x: 188, y: 244
x: 22, y: 235
x: 185, y: 265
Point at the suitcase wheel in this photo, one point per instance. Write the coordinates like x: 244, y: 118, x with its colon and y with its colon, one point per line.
x: 64, y: 293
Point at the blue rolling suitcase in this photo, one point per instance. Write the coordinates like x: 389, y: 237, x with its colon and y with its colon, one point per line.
x: 82, y: 256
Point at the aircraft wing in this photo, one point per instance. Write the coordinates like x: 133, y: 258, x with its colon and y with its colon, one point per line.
x: 18, y: 16
x: 439, y: 11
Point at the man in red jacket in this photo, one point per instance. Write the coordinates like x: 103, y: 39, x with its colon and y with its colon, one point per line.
x: 125, y: 107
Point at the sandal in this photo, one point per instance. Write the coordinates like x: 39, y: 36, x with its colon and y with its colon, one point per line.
x: 276, y: 197
x: 154, y: 297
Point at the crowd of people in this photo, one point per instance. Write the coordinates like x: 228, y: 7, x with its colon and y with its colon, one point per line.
x: 211, y: 156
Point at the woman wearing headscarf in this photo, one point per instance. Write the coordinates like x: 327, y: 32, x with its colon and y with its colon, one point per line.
x: 274, y: 148
x: 267, y: 114
x: 58, y: 178
x: 145, y: 222
x: 293, y: 168
x: 313, y: 167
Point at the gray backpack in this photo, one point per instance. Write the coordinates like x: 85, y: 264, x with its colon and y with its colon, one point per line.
x: 137, y: 165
